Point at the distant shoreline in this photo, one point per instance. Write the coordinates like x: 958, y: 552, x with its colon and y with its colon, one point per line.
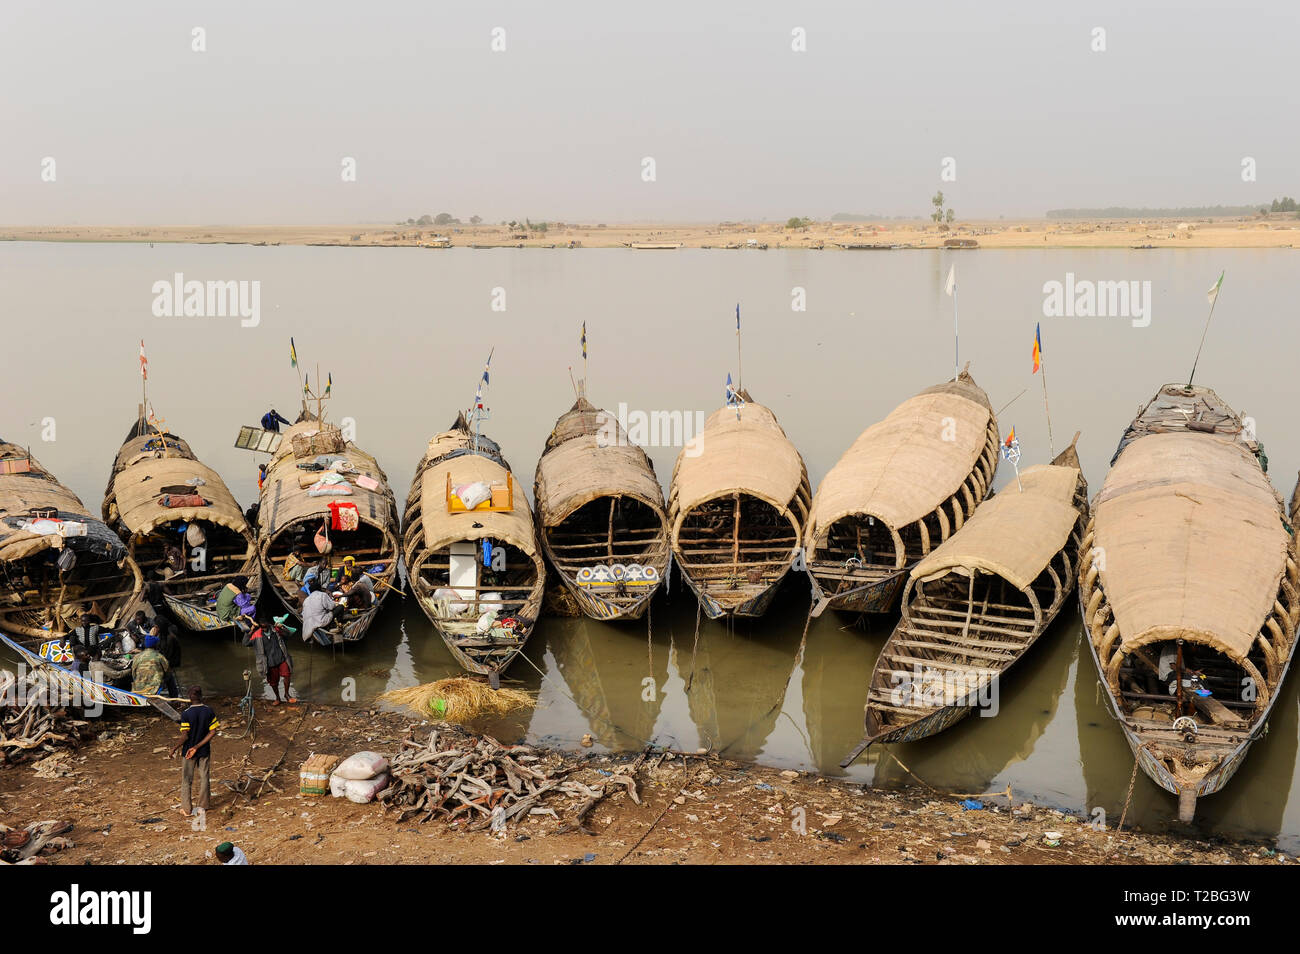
x: 857, y: 236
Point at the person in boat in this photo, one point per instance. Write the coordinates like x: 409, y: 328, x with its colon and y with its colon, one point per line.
x: 228, y: 854
x: 138, y: 628
x: 273, y: 657
x: 272, y: 420
x: 261, y: 475
x: 1168, y: 674
x: 88, y: 636
x: 199, y: 723
x: 356, y: 595
x: 229, y: 607
x: 317, y: 610
x: 80, y: 663
x: 148, y: 668
x: 173, y: 559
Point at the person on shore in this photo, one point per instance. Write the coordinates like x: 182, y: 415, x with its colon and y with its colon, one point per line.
x: 274, y: 660
x: 272, y: 420
x: 317, y: 610
x: 228, y: 854
x: 198, y: 725
x: 148, y: 668
x: 169, y: 644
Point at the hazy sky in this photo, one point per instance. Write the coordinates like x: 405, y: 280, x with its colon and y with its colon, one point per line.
x: 143, y: 129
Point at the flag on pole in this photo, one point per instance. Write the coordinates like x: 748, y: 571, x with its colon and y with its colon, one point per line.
x: 144, y: 362
x: 1213, y: 293
x: 731, y: 391
x: 329, y: 383
x: 952, y: 280
x: 737, y: 317
x: 293, y: 354
x: 478, y: 395
x: 1038, y: 347
x: 1011, y: 449
x: 584, y: 341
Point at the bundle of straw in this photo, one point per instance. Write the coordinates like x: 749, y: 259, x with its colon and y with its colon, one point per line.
x: 458, y: 699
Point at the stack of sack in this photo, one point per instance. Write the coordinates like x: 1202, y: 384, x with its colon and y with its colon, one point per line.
x: 359, y: 778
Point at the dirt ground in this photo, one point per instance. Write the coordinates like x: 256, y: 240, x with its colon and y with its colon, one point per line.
x: 121, y: 792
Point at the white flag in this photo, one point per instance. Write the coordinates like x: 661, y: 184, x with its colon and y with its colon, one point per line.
x: 1213, y: 293
x: 952, y: 279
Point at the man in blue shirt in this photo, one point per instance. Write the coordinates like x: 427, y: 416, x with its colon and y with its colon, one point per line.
x: 272, y: 420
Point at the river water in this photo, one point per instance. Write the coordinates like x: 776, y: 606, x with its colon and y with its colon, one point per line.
x: 405, y: 333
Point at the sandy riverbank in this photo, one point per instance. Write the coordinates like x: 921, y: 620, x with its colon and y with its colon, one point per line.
x: 120, y: 792
x: 1275, y: 232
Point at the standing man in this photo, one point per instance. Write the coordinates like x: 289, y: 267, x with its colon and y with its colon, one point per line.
x: 273, y: 656
x: 198, y: 725
x: 272, y: 420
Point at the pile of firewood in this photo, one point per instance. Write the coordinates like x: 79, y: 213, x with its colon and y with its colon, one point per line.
x: 478, y: 782
x: 31, y: 730
x: 24, y: 846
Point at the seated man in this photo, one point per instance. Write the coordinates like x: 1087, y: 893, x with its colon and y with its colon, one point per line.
x: 229, y: 608
x: 148, y: 668
x: 317, y: 614
x: 87, y: 637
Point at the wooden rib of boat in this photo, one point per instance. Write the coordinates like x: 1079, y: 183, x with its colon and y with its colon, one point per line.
x: 600, y: 514
x: 37, y: 598
x: 290, y: 515
x: 443, y: 544
x: 1189, y: 585
x: 151, y: 467
x: 737, y: 508
x: 905, y: 486
x: 975, y: 606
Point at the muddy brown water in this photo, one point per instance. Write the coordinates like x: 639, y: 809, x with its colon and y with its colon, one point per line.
x: 405, y: 333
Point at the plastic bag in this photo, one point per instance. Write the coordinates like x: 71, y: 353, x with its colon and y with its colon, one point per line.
x: 363, y: 765
x: 322, y: 541
x: 471, y: 495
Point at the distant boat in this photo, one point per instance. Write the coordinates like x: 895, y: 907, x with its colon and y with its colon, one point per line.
x: 657, y: 245
x: 866, y: 246
x: 960, y: 243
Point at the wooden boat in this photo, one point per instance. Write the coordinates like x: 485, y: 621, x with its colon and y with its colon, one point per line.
x: 70, y: 688
x: 153, y: 466
x: 289, y: 516
x: 443, y: 542
x: 975, y: 605
x: 1189, y: 584
x: 600, y: 515
x: 737, y: 508
x: 37, y: 598
x: 905, y: 486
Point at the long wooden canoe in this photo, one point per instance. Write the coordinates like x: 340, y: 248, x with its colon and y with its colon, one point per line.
x: 600, y: 515
x: 737, y: 508
x: 905, y: 486
x: 1189, y: 582
x: 37, y: 599
x: 974, y: 606
x: 443, y: 543
x: 290, y: 514
x: 152, y: 468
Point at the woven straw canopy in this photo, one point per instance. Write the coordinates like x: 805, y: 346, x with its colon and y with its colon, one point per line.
x: 442, y: 528
x: 1013, y: 534
x: 138, y: 485
x: 1191, y: 543
x: 589, y: 456
x: 20, y: 493
x: 751, y: 455
x: 284, y: 500
x: 902, y: 468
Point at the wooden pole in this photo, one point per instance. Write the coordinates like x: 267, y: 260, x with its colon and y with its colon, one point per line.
x: 1042, y: 367
x: 1218, y: 285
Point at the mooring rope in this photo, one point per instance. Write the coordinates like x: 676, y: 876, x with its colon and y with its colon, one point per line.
x: 1131, y: 782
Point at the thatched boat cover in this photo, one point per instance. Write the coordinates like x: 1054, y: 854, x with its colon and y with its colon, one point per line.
x: 1191, y: 543
x: 902, y: 468
x: 588, y: 456
x: 751, y: 455
x: 442, y: 528
x: 284, y: 501
x: 1013, y: 534
x: 138, y: 484
x: 19, y: 493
